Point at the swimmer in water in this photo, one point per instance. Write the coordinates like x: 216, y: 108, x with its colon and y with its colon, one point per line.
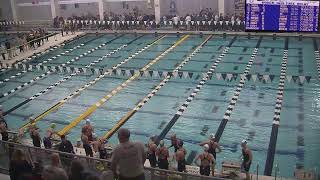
x: 47, y: 138
x: 163, y: 155
x: 214, y: 148
x: 152, y: 148
x: 206, y: 159
x: 181, y: 157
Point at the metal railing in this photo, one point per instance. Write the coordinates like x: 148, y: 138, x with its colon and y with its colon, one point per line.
x: 42, y: 156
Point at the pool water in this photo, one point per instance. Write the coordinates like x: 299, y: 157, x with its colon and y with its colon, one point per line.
x: 297, y: 144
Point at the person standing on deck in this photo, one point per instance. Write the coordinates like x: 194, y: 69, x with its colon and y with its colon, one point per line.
x: 128, y: 158
x: 174, y: 142
x: 4, y: 131
x: 88, y: 130
x: 181, y: 157
x: 163, y: 154
x: 47, y: 139
x: 207, y: 160
x: 213, y: 145
x: 3, y: 52
x: 2, y: 117
x: 35, y: 136
x: 247, y: 158
x: 152, y: 148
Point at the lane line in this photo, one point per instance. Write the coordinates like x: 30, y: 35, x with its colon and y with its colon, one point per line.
x: 194, y: 93
x: 77, y: 92
x: 277, y: 110
x: 90, y: 110
x: 237, y: 92
x: 52, y: 71
x: 126, y: 117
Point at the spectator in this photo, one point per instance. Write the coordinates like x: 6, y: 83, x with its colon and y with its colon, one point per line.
x: 55, y: 160
x: 54, y: 173
x: 128, y: 158
x: 76, y: 170
x: 174, y: 142
x: 19, y: 166
x: 65, y: 145
x: 3, y: 51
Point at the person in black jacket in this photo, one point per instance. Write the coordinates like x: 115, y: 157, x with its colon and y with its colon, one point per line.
x: 65, y: 145
x: 19, y: 166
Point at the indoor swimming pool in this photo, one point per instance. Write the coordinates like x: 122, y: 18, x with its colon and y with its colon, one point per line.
x: 187, y: 84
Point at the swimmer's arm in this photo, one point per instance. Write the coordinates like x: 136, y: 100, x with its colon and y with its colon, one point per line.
x: 197, y: 160
x: 203, y: 143
x: 218, y: 147
x: 250, y: 156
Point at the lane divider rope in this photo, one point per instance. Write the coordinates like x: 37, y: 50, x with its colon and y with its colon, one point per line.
x: 52, y: 71
x: 194, y: 93
x: 277, y: 110
x: 237, y: 92
x: 90, y: 110
x: 87, y: 85
x: 126, y: 117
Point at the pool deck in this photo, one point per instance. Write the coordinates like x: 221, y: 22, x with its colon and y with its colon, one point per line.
x: 53, y: 41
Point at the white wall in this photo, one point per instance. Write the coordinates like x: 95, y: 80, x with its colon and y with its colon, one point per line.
x: 84, y: 9
x: 34, y: 13
x: 117, y: 7
x: 5, y: 10
x: 188, y: 6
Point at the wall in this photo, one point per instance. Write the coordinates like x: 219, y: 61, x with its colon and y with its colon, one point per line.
x: 5, y: 7
x: 84, y: 9
x: 188, y: 6
x: 117, y: 7
x: 34, y: 13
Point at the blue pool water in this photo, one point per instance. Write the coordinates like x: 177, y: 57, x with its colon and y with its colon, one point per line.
x: 297, y: 143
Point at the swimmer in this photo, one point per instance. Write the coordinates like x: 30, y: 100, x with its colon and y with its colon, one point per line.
x: 4, y: 131
x: 174, y: 142
x: 181, y: 157
x: 152, y: 148
x: 247, y: 158
x: 47, y: 139
x: 87, y: 130
x: 87, y: 146
x: 163, y: 154
x: 213, y: 147
x: 35, y: 136
x: 2, y: 117
x: 207, y: 160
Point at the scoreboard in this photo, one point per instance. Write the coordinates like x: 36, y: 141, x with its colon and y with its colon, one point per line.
x: 282, y: 15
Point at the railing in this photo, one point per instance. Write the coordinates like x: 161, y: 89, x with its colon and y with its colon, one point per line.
x: 42, y: 156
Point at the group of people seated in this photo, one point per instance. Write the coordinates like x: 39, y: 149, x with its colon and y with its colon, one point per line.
x: 22, y: 42
x: 129, y: 157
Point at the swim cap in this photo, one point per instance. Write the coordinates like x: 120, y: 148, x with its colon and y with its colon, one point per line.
x: 244, y: 142
x: 212, y: 136
x: 161, y: 143
x: 53, y: 125
x: 0, y: 107
x: 88, y: 121
x: 206, y: 147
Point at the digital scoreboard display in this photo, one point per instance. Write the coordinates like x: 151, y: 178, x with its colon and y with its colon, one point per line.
x: 282, y: 15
